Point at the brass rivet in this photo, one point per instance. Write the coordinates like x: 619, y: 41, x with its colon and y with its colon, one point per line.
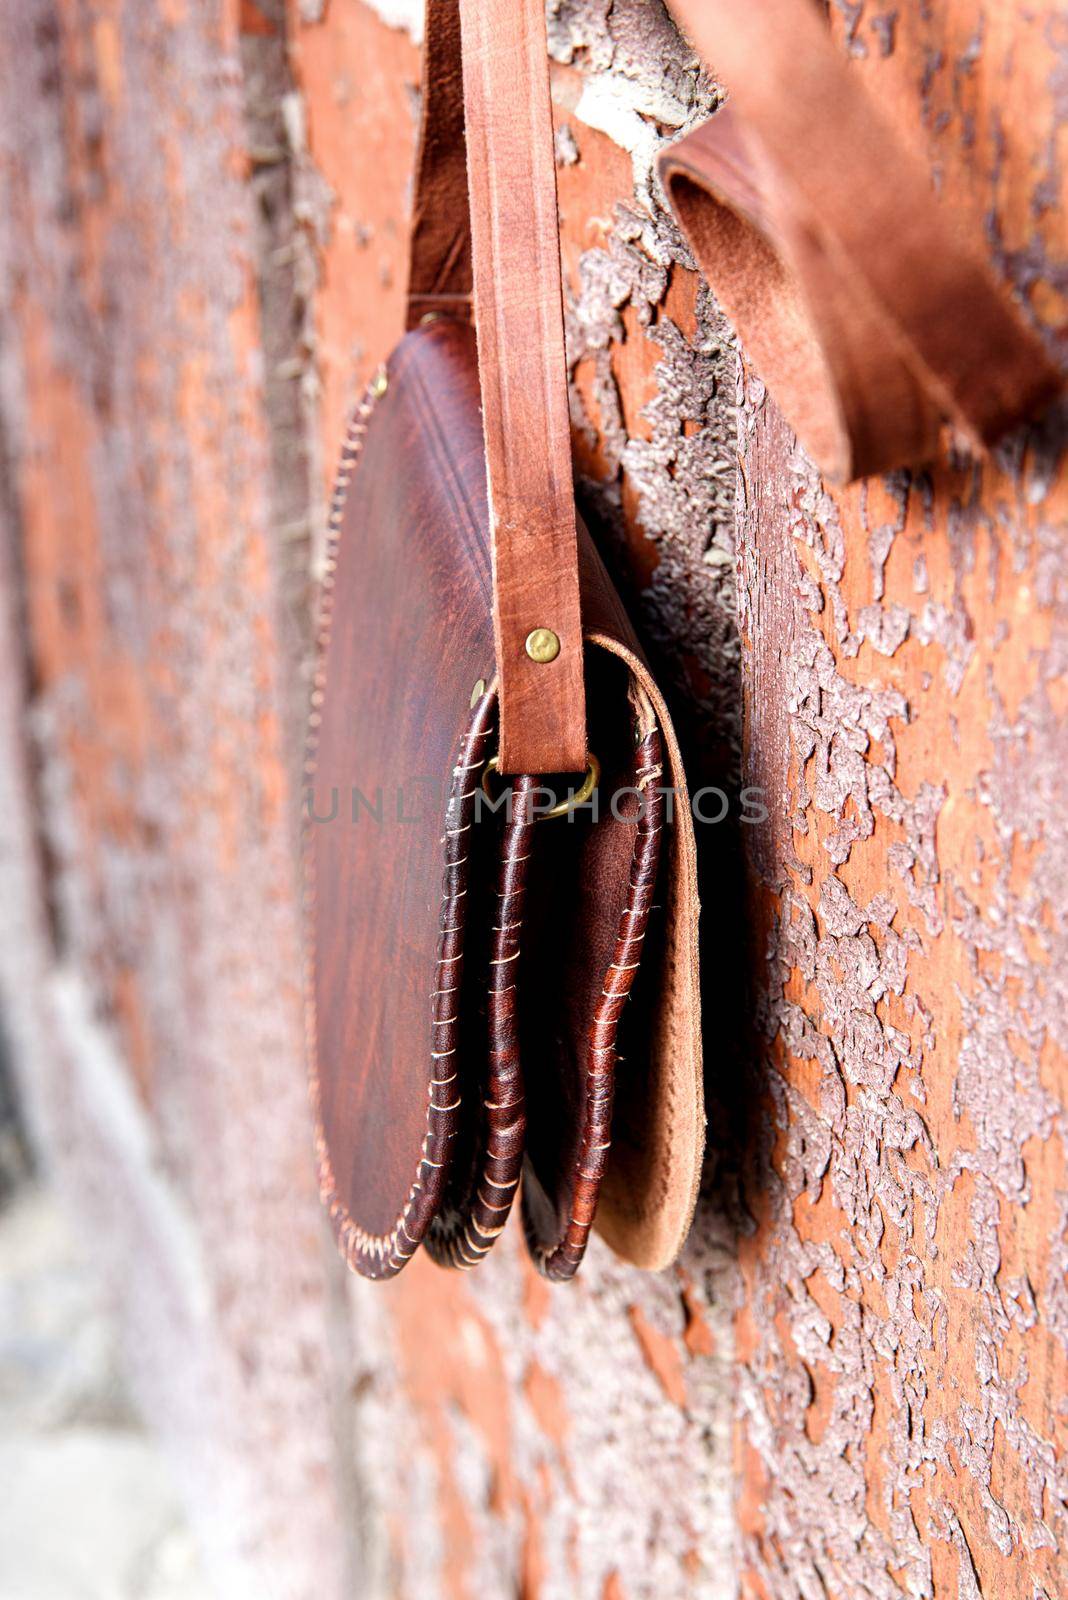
x: 477, y: 692
x: 380, y: 383
x: 542, y: 645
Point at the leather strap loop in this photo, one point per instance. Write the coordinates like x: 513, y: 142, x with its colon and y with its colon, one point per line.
x: 502, y: 238
x: 871, y: 319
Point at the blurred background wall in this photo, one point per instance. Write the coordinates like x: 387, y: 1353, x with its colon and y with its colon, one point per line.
x: 852, y: 1383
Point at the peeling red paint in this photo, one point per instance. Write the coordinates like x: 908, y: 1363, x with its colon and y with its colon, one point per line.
x: 697, y: 1335
x: 662, y: 1356
x: 547, y: 1403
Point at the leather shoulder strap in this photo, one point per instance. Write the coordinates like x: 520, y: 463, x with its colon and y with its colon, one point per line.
x: 501, y: 240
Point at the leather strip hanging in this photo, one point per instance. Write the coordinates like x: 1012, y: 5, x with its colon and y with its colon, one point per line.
x: 439, y: 268
x: 873, y: 322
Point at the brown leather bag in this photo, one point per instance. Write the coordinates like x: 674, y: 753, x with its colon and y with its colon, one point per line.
x: 475, y: 978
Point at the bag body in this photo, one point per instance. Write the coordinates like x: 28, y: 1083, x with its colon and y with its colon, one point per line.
x: 473, y: 973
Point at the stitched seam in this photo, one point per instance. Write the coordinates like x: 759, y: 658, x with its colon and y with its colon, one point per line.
x: 384, y: 1254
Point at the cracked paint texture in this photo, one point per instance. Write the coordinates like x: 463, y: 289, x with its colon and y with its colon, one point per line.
x: 900, y: 1344
x: 886, y: 1189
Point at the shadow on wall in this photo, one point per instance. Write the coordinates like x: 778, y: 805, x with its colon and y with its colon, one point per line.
x: 15, y: 1158
x: 725, y: 816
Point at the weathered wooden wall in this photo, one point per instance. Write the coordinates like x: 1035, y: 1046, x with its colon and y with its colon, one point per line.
x: 149, y: 966
x: 852, y: 1383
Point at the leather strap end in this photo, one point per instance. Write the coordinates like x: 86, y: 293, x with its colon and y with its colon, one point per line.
x: 542, y: 703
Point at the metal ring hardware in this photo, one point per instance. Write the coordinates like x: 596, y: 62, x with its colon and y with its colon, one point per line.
x: 578, y: 797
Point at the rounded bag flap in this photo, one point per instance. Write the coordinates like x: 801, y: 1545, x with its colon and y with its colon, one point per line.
x: 406, y: 634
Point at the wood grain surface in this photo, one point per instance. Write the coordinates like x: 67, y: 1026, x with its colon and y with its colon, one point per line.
x: 852, y: 1384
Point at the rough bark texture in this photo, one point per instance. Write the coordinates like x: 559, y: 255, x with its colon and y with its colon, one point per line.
x: 852, y: 1383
